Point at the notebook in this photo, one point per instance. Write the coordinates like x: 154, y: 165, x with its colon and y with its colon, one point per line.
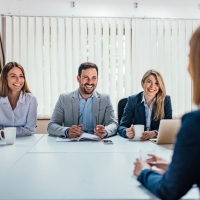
x: 167, y: 131
x: 84, y: 136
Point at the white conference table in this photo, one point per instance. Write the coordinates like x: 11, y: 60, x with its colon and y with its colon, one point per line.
x: 47, y: 144
x: 10, y: 154
x: 78, y: 170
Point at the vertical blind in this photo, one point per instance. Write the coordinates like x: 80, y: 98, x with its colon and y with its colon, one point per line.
x: 51, y: 50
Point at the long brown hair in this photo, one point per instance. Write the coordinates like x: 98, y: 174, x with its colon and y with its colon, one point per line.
x: 158, y: 107
x: 4, y: 89
x: 194, y: 65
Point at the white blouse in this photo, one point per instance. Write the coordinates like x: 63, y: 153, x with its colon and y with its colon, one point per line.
x: 23, y: 117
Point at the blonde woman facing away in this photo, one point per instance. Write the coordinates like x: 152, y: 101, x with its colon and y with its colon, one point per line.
x: 147, y: 107
x: 183, y: 171
x: 18, y: 106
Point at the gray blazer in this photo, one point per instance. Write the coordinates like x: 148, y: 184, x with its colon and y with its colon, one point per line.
x: 66, y: 113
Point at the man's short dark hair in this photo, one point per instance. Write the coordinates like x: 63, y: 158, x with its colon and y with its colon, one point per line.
x: 86, y: 65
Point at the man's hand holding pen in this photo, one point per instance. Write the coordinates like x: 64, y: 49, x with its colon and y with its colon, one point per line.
x: 75, y: 131
x: 100, y: 131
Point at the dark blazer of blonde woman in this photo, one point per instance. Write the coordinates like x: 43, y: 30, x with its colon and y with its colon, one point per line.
x: 134, y: 113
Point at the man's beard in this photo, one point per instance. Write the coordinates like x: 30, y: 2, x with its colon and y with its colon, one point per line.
x: 85, y: 91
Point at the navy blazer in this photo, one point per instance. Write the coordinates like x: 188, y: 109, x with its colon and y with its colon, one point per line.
x: 184, y: 170
x: 134, y: 113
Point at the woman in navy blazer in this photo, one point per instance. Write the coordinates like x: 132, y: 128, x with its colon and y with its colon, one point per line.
x: 147, y: 107
x: 184, y: 170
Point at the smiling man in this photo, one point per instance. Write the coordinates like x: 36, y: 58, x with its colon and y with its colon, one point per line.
x: 83, y: 110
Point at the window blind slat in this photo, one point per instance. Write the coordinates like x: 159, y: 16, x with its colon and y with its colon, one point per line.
x: 174, y: 69
x: 134, y: 54
x: 53, y: 63
x: 61, y: 55
x: 47, y: 83
x: 105, y: 66
x: 76, y: 51
x: 31, y: 55
x: 181, y: 67
x: 188, y: 86
x: 128, y: 73
x: 9, y: 40
x: 40, y: 87
x: 69, y: 55
x: 153, y: 44
x: 23, y: 43
x: 196, y: 24
x: 91, y: 40
x: 167, y: 56
x: 98, y: 52
x: 83, y: 33
x: 120, y: 60
x: 112, y: 85
x: 139, y: 71
x: 145, y: 54
x: 160, y: 48
x: 16, y: 39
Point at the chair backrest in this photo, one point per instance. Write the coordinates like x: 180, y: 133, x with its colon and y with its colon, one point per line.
x: 42, y: 126
x: 121, y: 106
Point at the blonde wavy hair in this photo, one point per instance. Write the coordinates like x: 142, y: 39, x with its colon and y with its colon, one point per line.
x: 194, y: 65
x: 4, y: 89
x: 158, y: 106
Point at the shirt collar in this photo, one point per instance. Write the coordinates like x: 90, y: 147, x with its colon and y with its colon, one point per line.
x: 20, y: 100
x: 143, y: 100
x: 5, y: 99
x: 81, y: 98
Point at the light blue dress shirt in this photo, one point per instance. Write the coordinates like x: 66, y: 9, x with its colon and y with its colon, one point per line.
x: 85, y: 114
x: 148, y: 112
x: 23, y: 117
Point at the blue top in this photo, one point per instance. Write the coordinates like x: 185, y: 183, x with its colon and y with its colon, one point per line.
x: 134, y: 113
x: 85, y: 114
x: 184, y: 170
x: 23, y: 117
x: 148, y: 112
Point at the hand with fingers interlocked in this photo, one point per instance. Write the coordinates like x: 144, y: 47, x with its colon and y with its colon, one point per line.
x: 75, y: 131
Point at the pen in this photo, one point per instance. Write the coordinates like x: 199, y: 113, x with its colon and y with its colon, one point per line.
x: 79, y: 118
x: 96, y: 120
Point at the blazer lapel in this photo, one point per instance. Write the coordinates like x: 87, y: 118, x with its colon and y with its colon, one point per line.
x: 75, y: 106
x: 141, y: 113
x: 95, y: 108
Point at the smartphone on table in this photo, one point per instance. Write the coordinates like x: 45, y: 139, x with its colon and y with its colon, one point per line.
x: 107, y: 141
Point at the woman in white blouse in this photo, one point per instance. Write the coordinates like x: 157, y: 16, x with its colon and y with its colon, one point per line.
x: 18, y: 106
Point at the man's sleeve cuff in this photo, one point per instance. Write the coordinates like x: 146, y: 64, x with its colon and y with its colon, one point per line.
x: 66, y: 132
x: 106, y: 135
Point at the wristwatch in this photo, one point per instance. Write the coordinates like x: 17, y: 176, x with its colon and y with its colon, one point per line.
x: 156, y: 133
